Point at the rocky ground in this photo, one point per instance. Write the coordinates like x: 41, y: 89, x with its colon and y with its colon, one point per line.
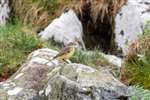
x: 41, y: 79
x: 110, y: 30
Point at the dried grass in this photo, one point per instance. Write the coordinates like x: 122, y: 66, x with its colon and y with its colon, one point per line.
x: 38, y: 13
x: 135, y: 70
x: 100, y: 8
x: 98, y: 19
x: 30, y: 12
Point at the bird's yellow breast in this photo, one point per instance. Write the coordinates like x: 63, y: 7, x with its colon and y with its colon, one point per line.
x: 67, y: 55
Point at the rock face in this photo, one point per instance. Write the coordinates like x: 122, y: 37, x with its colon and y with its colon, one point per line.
x: 130, y: 22
x: 67, y: 28
x: 79, y: 82
x: 41, y: 79
x: 4, y: 11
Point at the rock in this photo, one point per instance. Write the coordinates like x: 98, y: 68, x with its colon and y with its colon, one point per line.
x: 4, y: 11
x: 130, y: 22
x: 64, y: 29
x: 30, y: 78
x: 113, y: 59
x: 80, y: 82
x: 41, y: 79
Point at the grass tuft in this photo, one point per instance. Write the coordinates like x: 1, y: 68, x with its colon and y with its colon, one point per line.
x: 15, y: 45
x: 90, y: 58
x: 136, y: 69
x: 17, y: 41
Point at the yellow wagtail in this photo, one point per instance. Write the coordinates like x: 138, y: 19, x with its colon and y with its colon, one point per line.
x: 66, y: 52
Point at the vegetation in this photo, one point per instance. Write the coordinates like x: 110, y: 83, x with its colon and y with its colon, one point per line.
x: 15, y: 45
x: 91, y: 58
x: 137, y: 66
x: 94, y: 59
x: 138, y: 93
x: 39, y: 13
x: 49, y: 5
x: 16, y: 42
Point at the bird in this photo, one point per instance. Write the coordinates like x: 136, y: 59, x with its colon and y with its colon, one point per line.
x: 66, y: 52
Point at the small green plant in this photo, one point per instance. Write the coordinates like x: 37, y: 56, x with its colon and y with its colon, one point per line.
x: 138, y: 93
x: 91, y: 58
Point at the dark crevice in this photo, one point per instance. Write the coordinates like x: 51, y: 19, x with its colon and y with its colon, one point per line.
x: 98, y: 34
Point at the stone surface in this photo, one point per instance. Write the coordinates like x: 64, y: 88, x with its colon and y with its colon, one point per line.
x: 130, y: 22
x: 41, y: 78
x: 80, y: 82
x: 4, y: 11
x: 113, y: 59
x: 64, y: 29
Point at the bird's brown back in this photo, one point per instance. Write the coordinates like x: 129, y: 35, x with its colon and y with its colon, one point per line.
x: 63, y: 51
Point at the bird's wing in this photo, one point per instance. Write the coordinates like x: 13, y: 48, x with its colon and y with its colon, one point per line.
x: 63, y: 51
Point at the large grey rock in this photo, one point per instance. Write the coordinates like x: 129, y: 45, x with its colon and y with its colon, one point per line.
x: 80, y: 82
x: 41, y: 79
x: 130, y: 22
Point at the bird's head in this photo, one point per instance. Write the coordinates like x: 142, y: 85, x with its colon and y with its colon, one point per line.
x: 72, y: 44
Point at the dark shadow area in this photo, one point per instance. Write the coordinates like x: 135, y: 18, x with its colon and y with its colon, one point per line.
x: 98, y: 20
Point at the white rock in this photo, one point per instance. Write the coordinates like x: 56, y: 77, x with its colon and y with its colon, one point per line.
x: 67, y: 28
x: 6, y: 84
x: 4, y: 11
x: 114, y: 60
x: 130, y: 22
x: 41, y: 92
x: 39, y: 60
x: 52, y: 62
x: 15, y: 91
x: 48, y: 50
x: 19, y: 75
x: 48, y: 90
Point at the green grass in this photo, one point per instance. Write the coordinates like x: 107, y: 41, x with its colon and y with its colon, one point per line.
x: 15, y: 45
x: 90, y: 58
x: 137, y: 69
x: 95, y: 59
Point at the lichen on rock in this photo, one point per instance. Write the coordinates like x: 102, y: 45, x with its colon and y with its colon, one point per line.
x: 58, y: 81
